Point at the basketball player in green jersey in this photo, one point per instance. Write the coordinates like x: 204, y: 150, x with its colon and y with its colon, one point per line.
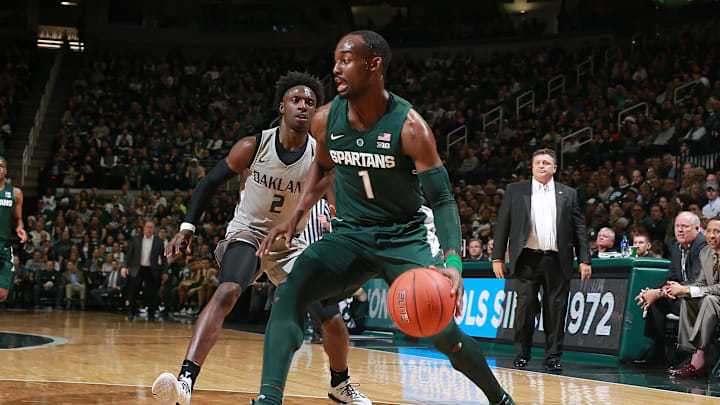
x: 11, y: 200
x: 381, y: 151
x: 279, y: 160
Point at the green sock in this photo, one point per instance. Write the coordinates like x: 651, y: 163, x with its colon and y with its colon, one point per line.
x: 468, y: 358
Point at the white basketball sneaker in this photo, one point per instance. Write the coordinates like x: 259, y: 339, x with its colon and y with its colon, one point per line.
x: 346, y: 393
x: 169, y: 390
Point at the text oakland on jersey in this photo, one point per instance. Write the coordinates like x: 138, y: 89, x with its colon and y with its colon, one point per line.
x: 276, y: 183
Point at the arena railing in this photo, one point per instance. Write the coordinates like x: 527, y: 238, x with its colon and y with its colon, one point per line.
x: 520, y: 104
x: 688, y: 95
x: 554, y: 84
x: 622, y: 114
x: 705, y: 155
x: 612, y: 54
x: 576, y: 134
x: 499, y: 119
x: 586, y: 68
x: 463, y: 137
x: 39, y: 116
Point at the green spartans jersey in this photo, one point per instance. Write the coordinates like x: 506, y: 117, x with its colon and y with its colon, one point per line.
x: 7, y: 211
x: 375, y: 183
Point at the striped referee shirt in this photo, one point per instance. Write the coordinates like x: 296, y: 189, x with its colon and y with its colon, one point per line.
x: 314, y: 229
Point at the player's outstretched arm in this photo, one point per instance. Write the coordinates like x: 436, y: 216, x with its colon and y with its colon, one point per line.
x: 318, y: 179
x: 418, y: 143
x: 237, y: 160
x: 17, y: 214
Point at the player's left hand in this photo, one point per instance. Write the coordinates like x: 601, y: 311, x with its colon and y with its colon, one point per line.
x: 21, y: 234
x: 458, y: 291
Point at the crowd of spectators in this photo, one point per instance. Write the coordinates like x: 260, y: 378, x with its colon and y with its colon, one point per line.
x: 148, y: 123
x: 77, y: 243
x: 157, y: 121
x: 15, y: 78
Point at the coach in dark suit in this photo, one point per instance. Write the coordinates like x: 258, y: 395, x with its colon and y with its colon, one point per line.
x: 685, y: 267
x: 146, y: 262
x: 541, y: 220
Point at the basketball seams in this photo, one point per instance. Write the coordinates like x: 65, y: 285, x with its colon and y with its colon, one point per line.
x: 417, y: 313
x: 439, y: 296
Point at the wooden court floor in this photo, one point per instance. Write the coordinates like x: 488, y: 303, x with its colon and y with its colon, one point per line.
x: 107, y: 360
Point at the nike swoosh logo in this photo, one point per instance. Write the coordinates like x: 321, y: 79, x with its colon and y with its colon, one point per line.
x: 334, y: 137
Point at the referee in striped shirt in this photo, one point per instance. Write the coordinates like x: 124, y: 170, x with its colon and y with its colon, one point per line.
x: 318, y: 222
x: 318, y: 225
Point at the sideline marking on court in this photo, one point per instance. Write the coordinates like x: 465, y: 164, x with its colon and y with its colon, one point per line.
x: 149, y: 387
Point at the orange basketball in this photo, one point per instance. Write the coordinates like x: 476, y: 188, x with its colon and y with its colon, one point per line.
x: 420, y: 302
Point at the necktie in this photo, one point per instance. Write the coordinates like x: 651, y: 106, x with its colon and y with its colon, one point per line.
x: 715, y: 266
x: 683, y: 257
x: 546, y: 188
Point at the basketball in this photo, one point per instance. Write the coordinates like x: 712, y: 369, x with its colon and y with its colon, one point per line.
x: 420, y: 302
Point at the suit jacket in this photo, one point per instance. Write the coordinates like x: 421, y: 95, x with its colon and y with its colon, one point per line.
x: 513, y: 226
x: 692, y: 262
x: 706, y: 281
x: 79, y: 275
x: 120, y: 281
x: 158, y: 262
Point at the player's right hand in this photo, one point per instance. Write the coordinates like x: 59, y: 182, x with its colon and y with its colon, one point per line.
x: 181, y: 238
x: 286, y: 230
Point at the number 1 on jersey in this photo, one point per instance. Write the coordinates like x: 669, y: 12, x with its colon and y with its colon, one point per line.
x: 366, y: 183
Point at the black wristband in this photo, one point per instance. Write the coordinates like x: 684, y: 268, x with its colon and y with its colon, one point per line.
x: 206, y: 188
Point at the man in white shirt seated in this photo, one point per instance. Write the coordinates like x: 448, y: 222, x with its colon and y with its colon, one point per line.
x: 712, y: 208
x: 605, y: 242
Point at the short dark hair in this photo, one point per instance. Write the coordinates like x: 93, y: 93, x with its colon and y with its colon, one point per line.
x: 546, y: 151
x: 377, y: 45
x: 292, y: 79
x: 715, y: 218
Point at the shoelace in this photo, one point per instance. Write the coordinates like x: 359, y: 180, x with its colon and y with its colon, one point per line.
x: 350, y: 391
x: 185, y: 384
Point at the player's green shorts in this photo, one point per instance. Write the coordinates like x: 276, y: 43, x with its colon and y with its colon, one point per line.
x: 344, y: 260
x: 7, y: 273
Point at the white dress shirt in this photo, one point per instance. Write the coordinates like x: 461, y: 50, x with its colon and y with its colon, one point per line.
x: 543, y: 213
x: 712, y: 208
x: 145, y: 252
